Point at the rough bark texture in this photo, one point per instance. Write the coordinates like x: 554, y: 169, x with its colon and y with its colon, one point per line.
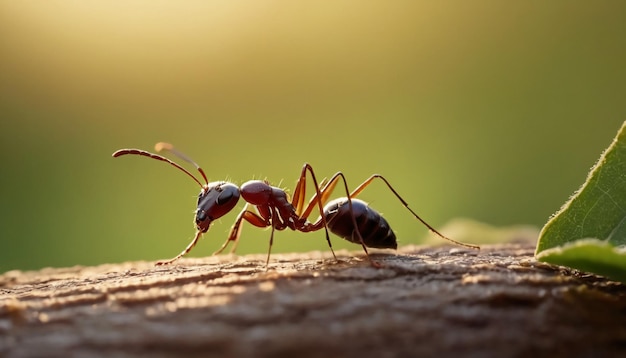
x: 423, y: 302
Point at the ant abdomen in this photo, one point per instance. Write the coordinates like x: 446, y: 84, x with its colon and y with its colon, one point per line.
x: 374, y: 229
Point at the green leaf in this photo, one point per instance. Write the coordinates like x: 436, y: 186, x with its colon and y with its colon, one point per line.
x: 596, y: 211
x: 590, y: 255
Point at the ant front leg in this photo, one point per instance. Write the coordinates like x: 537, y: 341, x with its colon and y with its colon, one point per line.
x: 184, y: 252
x: 235, y: 232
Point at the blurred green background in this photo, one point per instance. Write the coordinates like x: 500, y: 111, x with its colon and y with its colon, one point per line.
x: 485, y: 109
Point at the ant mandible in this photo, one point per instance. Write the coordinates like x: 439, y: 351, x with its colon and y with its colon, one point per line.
x: 273, y: 208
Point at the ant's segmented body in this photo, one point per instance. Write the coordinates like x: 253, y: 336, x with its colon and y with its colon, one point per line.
x: 273, y: 208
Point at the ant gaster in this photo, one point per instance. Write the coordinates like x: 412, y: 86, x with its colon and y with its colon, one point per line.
x: 273, y: 208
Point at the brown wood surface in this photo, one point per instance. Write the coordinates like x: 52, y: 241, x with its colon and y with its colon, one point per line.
x: 444, y: 301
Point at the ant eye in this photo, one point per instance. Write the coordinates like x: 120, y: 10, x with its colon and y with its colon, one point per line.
x: 224, y: 197
x: 200, y: 216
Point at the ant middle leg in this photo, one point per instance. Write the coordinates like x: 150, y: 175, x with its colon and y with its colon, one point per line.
x: 322, y: 196
x: 319, y: 198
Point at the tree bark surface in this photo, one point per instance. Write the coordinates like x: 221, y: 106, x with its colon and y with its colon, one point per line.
x: 424, y: 301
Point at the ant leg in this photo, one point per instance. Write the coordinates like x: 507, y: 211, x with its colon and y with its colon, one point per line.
x: 234, y: 233
x: 299, y: 193
x: 185, y: 251
x: 269, y: 250
x: 251, y: 217
x: 369, y: 180
x: 323, y: 197
x: 354, y: 224
x: 299, y: 197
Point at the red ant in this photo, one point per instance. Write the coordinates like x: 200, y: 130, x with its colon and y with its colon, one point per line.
x: 273, y: 208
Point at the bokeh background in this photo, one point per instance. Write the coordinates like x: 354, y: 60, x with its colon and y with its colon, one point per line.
x: 489, y: 110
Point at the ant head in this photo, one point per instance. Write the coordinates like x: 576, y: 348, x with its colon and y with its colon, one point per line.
x: 215, y: 200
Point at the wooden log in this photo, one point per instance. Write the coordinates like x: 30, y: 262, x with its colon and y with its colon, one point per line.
x: 425, y: 301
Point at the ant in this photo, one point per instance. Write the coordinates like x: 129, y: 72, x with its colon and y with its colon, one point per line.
x: 273, y: 209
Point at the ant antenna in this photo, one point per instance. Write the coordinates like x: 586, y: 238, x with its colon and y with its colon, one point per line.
x: 170, y: 148
x: 157, y: 157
